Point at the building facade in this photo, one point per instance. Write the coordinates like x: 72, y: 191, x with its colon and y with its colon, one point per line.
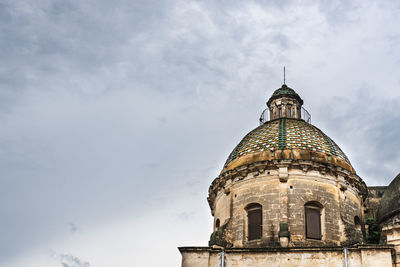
x: 288, y: 196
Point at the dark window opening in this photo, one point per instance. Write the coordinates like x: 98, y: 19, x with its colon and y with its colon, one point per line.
x: 357, y: 222
x: 313, y: 221
x: 254, y: 220
x: 217, y: 222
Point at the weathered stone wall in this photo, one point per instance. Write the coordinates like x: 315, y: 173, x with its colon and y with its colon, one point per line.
x: 308, y: 188
x: 223, y: 202
x: 302, y: 257
x: 391, y: 235
x: 351, y: 206
x: 375, y: 194
x: 264, y: 190
x: 282, y: 193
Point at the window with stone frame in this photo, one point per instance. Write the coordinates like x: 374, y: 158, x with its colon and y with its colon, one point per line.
x: 313, y: 220
x: 254, y: 221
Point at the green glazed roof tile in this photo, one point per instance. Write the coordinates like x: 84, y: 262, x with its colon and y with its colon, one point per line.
x: 286, y: 134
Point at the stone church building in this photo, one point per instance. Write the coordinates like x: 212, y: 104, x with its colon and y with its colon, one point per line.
x: 288, y: 196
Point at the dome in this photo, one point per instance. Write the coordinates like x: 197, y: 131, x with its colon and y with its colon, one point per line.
x: 287, y: 138
x: 390, y: 202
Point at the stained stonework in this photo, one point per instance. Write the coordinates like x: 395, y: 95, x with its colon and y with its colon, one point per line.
x: 388, y: 215
x: 390, y: 203
x: 375, y: 194
x: 391, y: 235
x: 360, y: 256
x: 284, y: 200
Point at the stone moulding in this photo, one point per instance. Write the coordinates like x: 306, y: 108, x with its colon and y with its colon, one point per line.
x: 291, y: 154
x: 241, y: 171
x: 283, y: 249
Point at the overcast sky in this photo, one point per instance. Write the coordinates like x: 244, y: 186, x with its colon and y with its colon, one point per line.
x: 117, y: 115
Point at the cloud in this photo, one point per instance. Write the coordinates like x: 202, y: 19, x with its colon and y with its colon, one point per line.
x: 68, y: 260
x: 73, y: 228
x: 367, y: 125
x: 185, y: 216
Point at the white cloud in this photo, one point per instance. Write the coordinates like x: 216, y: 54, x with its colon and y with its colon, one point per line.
x: 68, y: 260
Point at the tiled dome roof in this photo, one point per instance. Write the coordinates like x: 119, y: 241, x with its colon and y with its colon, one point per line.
x: 287, y: 134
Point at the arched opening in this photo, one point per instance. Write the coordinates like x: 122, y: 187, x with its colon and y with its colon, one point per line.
x: 313, y: 220
x: 254, y: 221
x: 217, y: 223
x: 357, y: 222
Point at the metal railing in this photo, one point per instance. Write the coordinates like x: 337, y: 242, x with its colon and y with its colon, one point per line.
x: 305, y: 115
x: 264, y: 117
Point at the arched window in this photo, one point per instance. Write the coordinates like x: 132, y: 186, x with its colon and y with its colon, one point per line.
x: 313, y: 220
x: 217, y: 223
x: 254, y: 221
x: 289, y: 112
x: 357, y: 222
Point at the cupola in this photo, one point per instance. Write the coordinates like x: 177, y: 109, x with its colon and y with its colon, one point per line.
x: 285, y: 103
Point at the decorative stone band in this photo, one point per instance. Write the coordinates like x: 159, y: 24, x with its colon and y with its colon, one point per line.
x: 289, y: 249
x: 292, y: 154
x: 292, y: 159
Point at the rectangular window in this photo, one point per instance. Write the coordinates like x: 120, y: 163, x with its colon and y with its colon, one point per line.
x: 255, y: 224
x: 313, y: 223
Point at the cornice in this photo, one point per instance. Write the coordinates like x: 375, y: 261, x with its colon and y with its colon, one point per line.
x: 350, y: 178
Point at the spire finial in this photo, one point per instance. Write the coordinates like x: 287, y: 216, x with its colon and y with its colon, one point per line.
x: 284, y: 75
